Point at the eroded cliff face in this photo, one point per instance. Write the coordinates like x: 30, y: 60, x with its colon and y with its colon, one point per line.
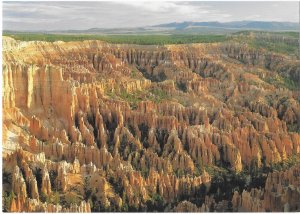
x: 90, y: 126
x: 280, y: 194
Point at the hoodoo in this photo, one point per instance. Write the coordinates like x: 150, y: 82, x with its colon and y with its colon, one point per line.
x: 93, y: 126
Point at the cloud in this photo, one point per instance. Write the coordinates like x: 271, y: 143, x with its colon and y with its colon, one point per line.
x: 84, y: 15
x: 164, y: 7
x: 253, y: 17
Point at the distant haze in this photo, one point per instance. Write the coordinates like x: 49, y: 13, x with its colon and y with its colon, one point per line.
x: 33, y: 16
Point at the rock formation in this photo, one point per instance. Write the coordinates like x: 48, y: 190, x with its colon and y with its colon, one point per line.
x: 280, y: 194
x: 91, y: 126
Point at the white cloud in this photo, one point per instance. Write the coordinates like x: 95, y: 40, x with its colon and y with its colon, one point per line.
x: 253, y: 17
x: 84, y: 15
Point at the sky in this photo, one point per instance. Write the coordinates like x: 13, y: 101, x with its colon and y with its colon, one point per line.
x: 74, y: 15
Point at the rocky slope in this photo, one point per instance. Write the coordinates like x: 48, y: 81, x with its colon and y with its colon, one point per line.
x: 90, y: 126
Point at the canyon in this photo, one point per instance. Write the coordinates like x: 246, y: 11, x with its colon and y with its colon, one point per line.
x: 90, y: 126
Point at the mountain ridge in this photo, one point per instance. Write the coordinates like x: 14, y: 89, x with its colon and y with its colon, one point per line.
x: 186, y: 27
x: 271, y: 25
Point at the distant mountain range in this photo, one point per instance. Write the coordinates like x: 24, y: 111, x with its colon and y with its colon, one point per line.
x: 259, y: 25
x: 191, y: 28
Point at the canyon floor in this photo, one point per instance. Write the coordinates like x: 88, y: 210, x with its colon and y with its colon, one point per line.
x: 91, y: 126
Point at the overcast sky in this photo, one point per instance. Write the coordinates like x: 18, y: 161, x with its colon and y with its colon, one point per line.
x: 85, y: 15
